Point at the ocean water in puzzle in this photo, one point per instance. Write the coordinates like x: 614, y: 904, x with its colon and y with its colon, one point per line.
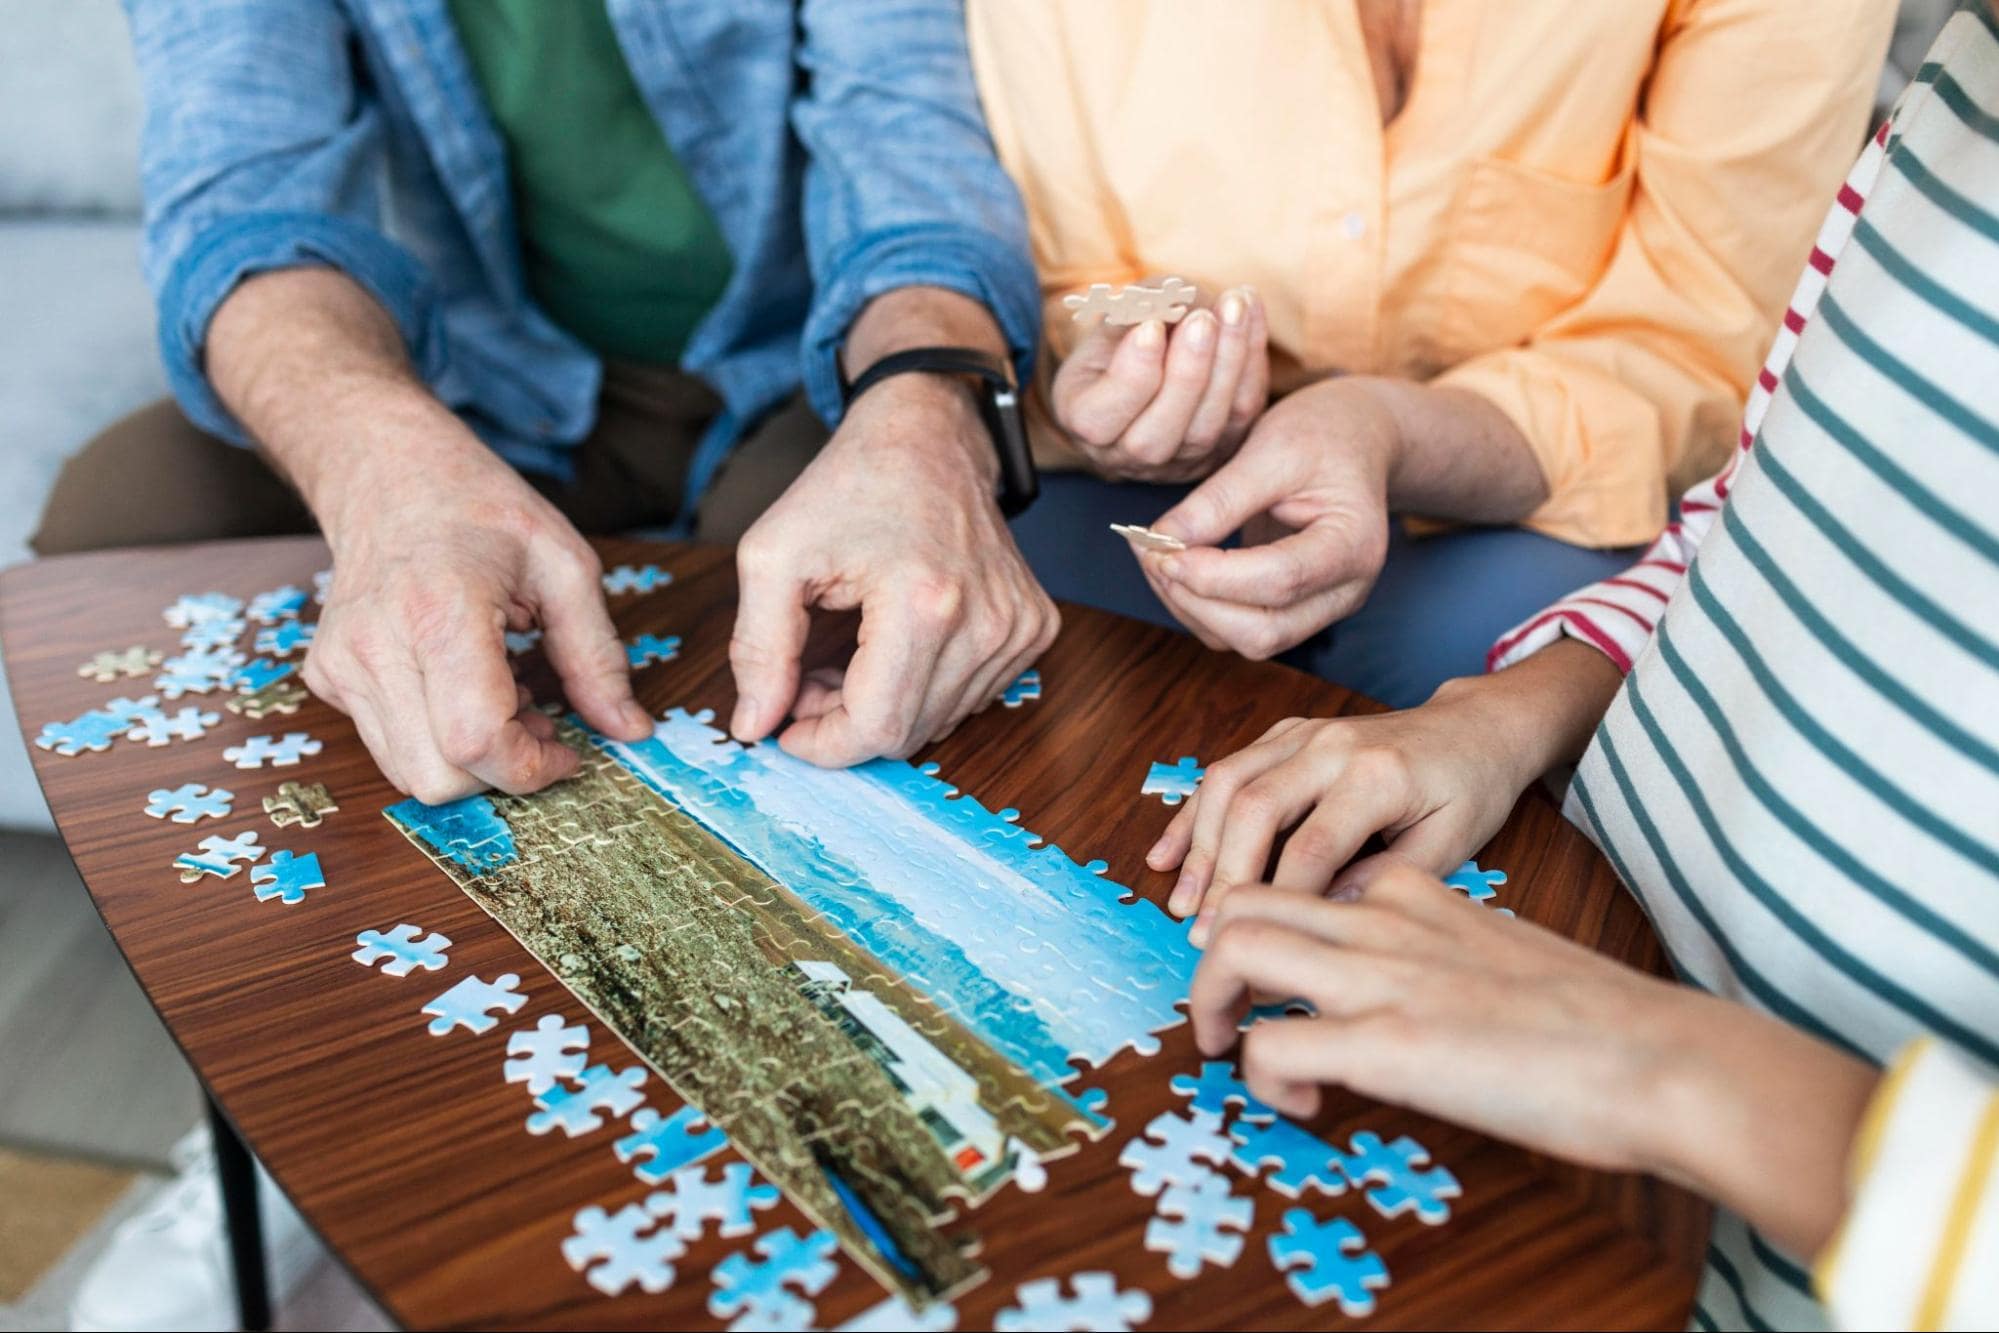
x: 873, y: 985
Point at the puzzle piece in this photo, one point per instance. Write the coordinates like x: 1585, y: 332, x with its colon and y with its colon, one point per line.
x: 189, y: 803
x: 300, y: 803
x: 1304, y: 1160
x: 174, y: 684
x: 404, y: 950
x: 1173, y: 783
x: 691, y: 1200
x: 210, y: 636
x: 1475, y: 883
x: 268, y: 608
x: 287, y: 876
x: 629, y: 1253
x: 520, y: 641
x: 669, y: 1142
x: 322, y: 586
x: 1094, y: 1303
x: 157, y: 728
x: 255, y: 674
x: 636, y: 578
x: 194, y: 608
x: 282, y: 640
x: 108, y: 666
x: 757, y: 1288
x: 279, y: 698
x: 895, y: 1315
x: 547, y: 1053
x: 1134, y: 303
x: 1027, y: 687
x: 650, y: 648
x: 468, y: 1003
x: 218, y: 856
x: 1199, y: 1223
x: 1400, y: 1185
x: 217, y: 664
x: 1140, y: 535
x: 1171, y: 1150
x: 254, y: 752
x: 1322, y: 1261
x: 1216, y: 1090
x: 576, y: 1109
x: 93, y: 731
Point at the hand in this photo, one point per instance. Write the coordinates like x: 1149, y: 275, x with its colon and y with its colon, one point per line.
x: 1149, y: 404
x: 896, y: 517
x: 1431, y: 1002
x: 1317, y: 463
x: 438, y: 546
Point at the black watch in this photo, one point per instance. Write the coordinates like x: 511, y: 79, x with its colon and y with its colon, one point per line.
x: 999, y: 404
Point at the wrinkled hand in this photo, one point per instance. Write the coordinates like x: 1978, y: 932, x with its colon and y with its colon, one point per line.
x: 894, y: 517
x: 1317, y: 463
x: 1436, y: 782
x: 438, y: 548
x: 1167, y: 403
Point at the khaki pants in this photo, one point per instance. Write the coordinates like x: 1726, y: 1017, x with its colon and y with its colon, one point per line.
x: 155, y: 478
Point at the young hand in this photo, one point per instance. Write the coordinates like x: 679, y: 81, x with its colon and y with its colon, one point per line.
x: 1167, y: 403
x: 1432, y: 1002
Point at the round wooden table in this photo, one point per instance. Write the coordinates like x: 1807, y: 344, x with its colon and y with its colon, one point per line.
x: 407, y: 1152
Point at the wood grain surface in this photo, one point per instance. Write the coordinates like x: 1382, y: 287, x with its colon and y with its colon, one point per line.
x: 408, y: 1153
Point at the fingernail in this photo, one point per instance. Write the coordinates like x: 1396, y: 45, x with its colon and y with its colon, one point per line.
x: 1233, y: 309
x: 1200, y: 330
x: 635, y: 717
x: 1197, y: 934
x: 1151, y: 334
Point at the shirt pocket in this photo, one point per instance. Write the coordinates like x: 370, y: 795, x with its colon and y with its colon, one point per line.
x: 1523, y: 245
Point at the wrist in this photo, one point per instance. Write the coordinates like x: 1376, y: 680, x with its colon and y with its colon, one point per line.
x: 929, y: 418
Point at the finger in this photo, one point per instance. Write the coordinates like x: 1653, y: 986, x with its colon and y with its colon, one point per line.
x: 1160, y: 430
x: 470, y: 702
x: 394, y: 690
x: 581, y: 643
x: 1263, y: 809
x: 1246, y: 485
x: 1348, y: 814
x: 901, y: 637
x: 1213, y: 415
x: 772, y: 621
x: 1394, y: 885
x: 1173, y: 844
x: 1252, y: 393
x: 1318, y: 556
x: 1259, y: 632
x: 1286, y: 1063
x: 1365, y: 925
x: 1261, y: 957
x: 1220, y: 793
x: 1104, y: 409
x: 819, y: 692
x: 376, y: 738
x: 1180, y: 604
x: 539, y: 724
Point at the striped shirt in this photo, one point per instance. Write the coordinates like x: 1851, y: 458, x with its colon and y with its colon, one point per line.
x: 1800, y: 777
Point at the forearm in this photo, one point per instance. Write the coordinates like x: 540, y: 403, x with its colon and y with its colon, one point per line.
x: 1454, y: 454
x: 1543, y: 711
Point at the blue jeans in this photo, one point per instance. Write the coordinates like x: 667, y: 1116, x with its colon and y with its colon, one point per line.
x: 1439, y: 604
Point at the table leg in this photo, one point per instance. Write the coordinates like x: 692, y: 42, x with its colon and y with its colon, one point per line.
x: 237, y: 1171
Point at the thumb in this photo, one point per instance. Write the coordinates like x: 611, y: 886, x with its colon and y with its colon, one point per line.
x: 1238, y: 491
x: 771, y: 625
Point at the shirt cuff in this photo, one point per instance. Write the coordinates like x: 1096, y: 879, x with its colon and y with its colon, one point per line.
x: 245, y: 244
x: 959, y: 260
x: 1919, y: 1245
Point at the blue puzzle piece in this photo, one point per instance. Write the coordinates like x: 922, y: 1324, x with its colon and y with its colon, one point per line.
x: 1475, y: 883
x: 669, y: 1142
x: 636, y: 578
x: 194, y: 608
x: 267, y: 608
x: 650, y: 648
x: 209, y: 636
x: 1323, y: 1261
x: 1303, y: 1159
x: 189, y: 803
x: 469, y: 1004
x: 577, y: 1109
x: 1023, y: 689
x: 468, y: 831
x: 283, y: 639
x: 286, y: 877
x: 258, y: 672
x: 94, y: 731
x: 753, y: 1286
x: 1173, y: 783
x: 692, y: 1199
x: 406, y: 948
x: 1216, y: 1089
x: 1400, y: 1185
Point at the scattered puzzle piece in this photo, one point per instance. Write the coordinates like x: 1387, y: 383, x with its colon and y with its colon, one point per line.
x: 1027, y: 687
x: 576, y: 1109
x: 268, y: 608
x: 218, y: 857
x: 520, y: 641
x: 287, y: 877
x: 93, y: 731
x: 1134, y: 303
x: 281, y: 697
x: 668, y: 1142
x: 1475, y: 883
x: 286, y: 638
x: 1173, y: 783
x: 403, y: 949
x: 628, y: 1251
x: 1322, y: 1261
x: 1199, y: 1223
x: 757, y: 1288
x: 468, y: 1003
x: 109, y: 666
x: 192, y: 609
x: 157, y: 728
x: 636, y: 578
x: 1171, y: 1150
x: 209, y: 636
x: 303, y: 803
x: 255, y: 674
x: 691, y: 1200
x: 189, y: 803
x: 1140, y: 535
x: 1400, y: 1185
x: 1094, y: 1303
x: 1217, y: 1089
x: 650, y: 648
x: 258, y: 750
x: 895, y: 1315
x: 1303, y: 1159
x: 545, y: 1054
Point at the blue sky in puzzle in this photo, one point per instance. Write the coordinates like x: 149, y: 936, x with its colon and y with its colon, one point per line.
x: 1029, y: 950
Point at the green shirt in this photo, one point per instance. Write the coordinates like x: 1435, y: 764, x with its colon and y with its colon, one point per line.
x: 618, y: 247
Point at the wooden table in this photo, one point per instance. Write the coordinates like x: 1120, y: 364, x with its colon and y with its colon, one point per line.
x: 408, y: 1153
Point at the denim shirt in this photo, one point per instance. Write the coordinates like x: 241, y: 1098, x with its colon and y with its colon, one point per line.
x: 838, y: 143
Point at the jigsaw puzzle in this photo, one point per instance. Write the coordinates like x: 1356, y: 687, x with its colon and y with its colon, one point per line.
x: 470, y: 1003
x: 896, y: 1315
x: 207, y: 636
x: 1217, y: 1090
x: 93, y: 731
x: 268, y: 608
x: 581, y: 1109
x: 194, y: 608
x: 259, y: 750
x: 189, y: 803
x: 1173, y: 783
x: 281, y: 696
x: 759, y: 1288
x: 1140, y: 535
x: 1199, y: 1223
x: 303, y: 803
x: 287, y: 877
x: 547, y: 1053
x: 1400, y: 1184
x: 285, y: 638
x: 403, y: 950
x: 521, y: 641
x: 1324, y: 1261
x: 635, y: 578
x: 156, y: 727
x: 1476, y: 883
x: 692, y: 1199
x: 1023, y: 689
x: 108, y: 666
x: 1133, y: 303
x: 629, y: 1247
x: 1094, y: 1303
x: 1172, y: 1150
x: 254, y: 675
x: 1303, y: 1159
x: 650, y: 648
x: 218, y: 857
x: 664, y: 1144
